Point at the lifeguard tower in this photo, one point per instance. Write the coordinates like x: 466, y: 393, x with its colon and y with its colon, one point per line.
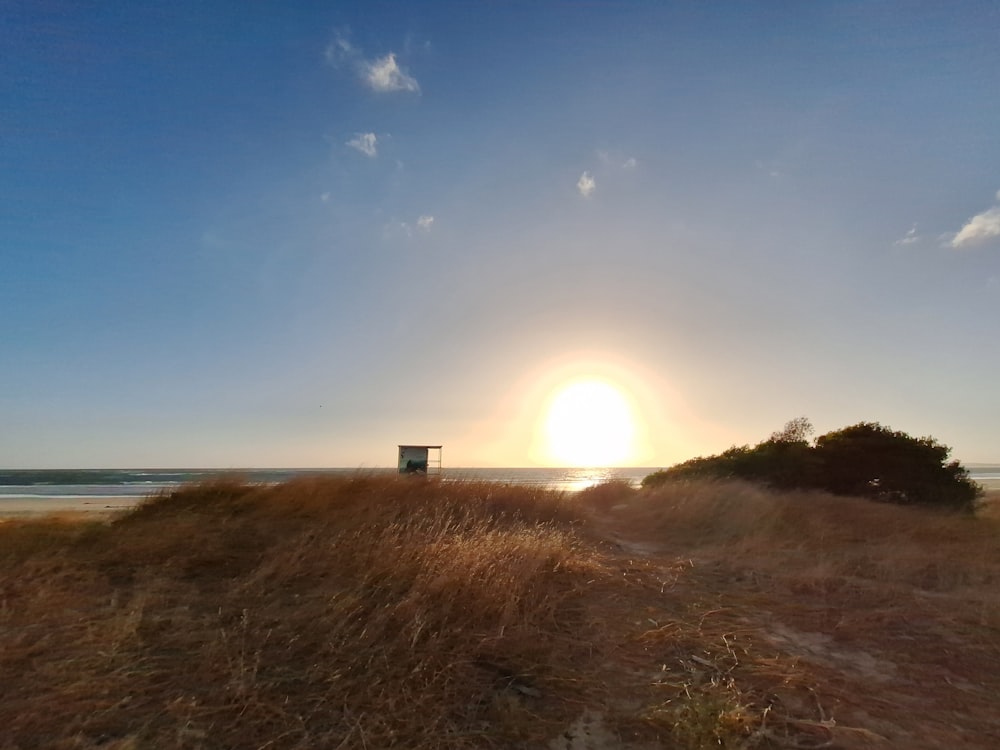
x: 419, y: 459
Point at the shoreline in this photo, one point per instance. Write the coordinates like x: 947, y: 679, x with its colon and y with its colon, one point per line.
x: 27, y: 507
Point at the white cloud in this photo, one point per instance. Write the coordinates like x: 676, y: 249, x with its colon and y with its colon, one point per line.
x: 384, y: 74
x: 366, y: 143
x: 381, y: 74
x: 980, y: 228
x: 586, y: 184
x: 909, y: 238
x: 325, y: 197
x: 630, y: 163
x: 425, y: 222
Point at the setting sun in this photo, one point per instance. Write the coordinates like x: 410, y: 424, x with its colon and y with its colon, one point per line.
x: 589, y: 423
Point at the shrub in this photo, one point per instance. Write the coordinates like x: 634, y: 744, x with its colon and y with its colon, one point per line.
x: 865, y: 459
x: 873, y: 461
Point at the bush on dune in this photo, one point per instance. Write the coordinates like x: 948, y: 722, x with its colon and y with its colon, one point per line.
x: 863, y: 460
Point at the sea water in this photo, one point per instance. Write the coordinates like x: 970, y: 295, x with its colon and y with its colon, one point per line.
x: 131, y: 484
x: 76, y: 484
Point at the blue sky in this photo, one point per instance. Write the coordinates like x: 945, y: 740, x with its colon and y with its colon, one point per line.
x: 267, y: 234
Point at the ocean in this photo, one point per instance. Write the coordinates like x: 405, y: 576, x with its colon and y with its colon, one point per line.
x: 122, y: 487
x: 75, y: 484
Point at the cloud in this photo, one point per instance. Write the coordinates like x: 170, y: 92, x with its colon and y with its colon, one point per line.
x: 909, y: 238
x: 981, y: 228
x: 396, y: 229
x: 384, y: 74
x: 616, y: 159
x: 325, y: 197
x: 381, y: 74
x: 365, y: 143
x: 339, y: 50
x: 586, y: 184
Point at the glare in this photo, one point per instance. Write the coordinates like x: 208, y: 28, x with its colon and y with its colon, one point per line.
x: 589, y: 423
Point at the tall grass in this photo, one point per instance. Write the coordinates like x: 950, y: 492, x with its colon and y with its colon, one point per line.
x: 371, y: 612
x: 320, y: 613
x: 804, y: 615
x: 813, y: 535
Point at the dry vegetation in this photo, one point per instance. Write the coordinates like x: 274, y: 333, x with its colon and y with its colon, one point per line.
x: 373, y: 613
x: 807, y: 620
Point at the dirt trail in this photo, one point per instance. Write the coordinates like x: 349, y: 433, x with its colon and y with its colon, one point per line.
x: 838, y: 666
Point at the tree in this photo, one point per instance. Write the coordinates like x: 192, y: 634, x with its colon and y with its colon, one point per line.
x: 865, y: 459
x: 870, y: 460
x: 797, y: 430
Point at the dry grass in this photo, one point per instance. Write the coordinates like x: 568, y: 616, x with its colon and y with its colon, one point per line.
x: 368, y: 612
x: 320, y: 613
x: 806, y: 618
x: 810, y: 538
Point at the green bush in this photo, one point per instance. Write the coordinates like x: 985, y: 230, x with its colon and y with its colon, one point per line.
x: 870, y: 460
x: 865, y: 459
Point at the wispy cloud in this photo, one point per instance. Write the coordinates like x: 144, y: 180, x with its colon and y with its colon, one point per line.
x: 770, y: 169
x: 382, y: 74
x: 366, y: 143
x: 396, y: 229
x: 609, y: 159
x: 980, y: 229
x: 586, y: 184
x: 909, y: 238
x: 339, y: 50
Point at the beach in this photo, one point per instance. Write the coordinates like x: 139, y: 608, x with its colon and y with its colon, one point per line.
x: 33, y: 507
x: 34, y: 493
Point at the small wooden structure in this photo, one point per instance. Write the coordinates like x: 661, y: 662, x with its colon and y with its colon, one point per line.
x: 417, y: 459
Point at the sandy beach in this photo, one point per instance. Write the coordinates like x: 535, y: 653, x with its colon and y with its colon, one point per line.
x: 36, y: 507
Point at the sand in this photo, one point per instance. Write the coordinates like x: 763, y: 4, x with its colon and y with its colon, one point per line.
x: 34, y: 507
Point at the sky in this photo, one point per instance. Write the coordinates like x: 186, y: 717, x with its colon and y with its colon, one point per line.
x: 299, y: 234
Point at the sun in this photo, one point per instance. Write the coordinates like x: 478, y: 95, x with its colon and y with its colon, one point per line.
x: 589, y: 423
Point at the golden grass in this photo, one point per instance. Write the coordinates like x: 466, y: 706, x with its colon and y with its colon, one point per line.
x: 812, y: 536
x: 320, y: 613
x: 802, y: 615
x: 373, y: 613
